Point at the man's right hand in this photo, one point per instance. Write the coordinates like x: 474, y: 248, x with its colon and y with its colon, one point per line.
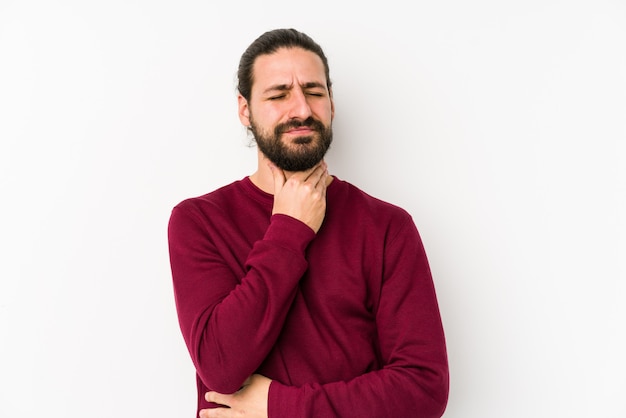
x: 302, y: 195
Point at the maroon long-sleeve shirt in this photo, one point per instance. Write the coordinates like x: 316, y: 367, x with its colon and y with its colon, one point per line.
x: 345, y: 322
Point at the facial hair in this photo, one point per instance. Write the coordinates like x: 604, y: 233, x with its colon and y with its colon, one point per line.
x: 302, y: 153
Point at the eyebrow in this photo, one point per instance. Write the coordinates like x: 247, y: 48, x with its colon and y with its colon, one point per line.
x: 287, y: 87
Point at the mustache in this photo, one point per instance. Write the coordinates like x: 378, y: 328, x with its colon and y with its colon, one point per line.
x: 309, y: 122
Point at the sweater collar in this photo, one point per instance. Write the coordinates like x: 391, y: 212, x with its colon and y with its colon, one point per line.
x: 268, y: 198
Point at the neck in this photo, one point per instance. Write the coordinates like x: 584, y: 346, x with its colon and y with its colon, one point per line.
x: 263, y: 177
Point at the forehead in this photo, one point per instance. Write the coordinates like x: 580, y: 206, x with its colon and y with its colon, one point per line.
x: 287, y: 66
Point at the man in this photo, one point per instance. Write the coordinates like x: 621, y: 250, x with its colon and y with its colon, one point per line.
x: 298, y: 294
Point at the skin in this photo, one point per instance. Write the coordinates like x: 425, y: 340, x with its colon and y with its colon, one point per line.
x: 249, y: 401
x: 288, y: 84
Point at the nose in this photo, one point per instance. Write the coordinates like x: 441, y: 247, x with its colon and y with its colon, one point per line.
x: 299, y: 107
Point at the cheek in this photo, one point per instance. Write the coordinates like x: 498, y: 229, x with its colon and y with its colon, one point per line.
x: 325, y: 113
x: 268, y: 116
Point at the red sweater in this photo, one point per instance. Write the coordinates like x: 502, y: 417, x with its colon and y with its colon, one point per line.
x: 345, y: 322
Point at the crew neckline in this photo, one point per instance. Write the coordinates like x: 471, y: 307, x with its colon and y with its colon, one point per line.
x: 267, y: 198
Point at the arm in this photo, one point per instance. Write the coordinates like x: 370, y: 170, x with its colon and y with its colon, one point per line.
x: 228, y: 326
x: 249, y: 402
x: 230, y: 323
x: 413, y: 381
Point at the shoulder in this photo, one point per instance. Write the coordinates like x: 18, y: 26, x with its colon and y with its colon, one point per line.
x: 193, y: 220
x: 350, y: 209
x: 359, y: 200
x: 214, y: 199
x: 213, y: 205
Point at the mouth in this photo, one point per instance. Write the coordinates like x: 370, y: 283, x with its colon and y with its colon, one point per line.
x: 306, y: 127
x: 300, y: 130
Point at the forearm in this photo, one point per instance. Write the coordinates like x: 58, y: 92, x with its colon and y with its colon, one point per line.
x: 228, y: 343
x: 413, y: 377
x: 384, y: 393
x: 231, y: 323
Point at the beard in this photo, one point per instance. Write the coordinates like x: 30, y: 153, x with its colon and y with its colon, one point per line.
x: 303, y: 153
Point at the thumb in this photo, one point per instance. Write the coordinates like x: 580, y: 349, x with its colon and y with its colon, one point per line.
x: 279, y: 177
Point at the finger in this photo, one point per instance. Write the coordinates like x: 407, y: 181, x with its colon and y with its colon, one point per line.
x: 218, y: 398
x: 324, y: 181
x: 279, y: 177
x: 215, y: 413
x: 318, y: 174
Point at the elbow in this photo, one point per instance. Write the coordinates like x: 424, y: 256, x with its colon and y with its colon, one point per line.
x: 433, y: 392
x: 439, y: 407
x: 218, y: 373
x: 434, y: 404
x: 223, y: 386
x: 439, y: 395
x: 214, y: 368
x: 219, y: 377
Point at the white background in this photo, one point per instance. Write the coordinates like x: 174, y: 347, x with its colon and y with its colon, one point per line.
x: 500, y: 126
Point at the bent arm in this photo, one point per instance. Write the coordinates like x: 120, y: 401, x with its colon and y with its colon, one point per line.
x: 413, y: 381
x: 230, y: 323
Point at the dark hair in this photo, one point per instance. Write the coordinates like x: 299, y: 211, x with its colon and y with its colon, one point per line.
x: 269, y: 43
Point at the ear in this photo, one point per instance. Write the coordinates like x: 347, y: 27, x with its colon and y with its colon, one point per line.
x: 332, y: 106
x: 244, y: 111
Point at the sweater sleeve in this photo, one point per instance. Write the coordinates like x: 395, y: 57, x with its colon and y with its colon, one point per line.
x: 413, y: 381
x: 247, y: 312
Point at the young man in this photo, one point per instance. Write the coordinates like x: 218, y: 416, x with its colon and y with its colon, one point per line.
x: 298, y: 294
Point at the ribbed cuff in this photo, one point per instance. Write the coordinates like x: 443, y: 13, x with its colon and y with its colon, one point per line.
x: 289, y: 232
x: 283, y: 401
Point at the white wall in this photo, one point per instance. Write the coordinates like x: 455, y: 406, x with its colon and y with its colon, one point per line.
x: 500, y: 126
